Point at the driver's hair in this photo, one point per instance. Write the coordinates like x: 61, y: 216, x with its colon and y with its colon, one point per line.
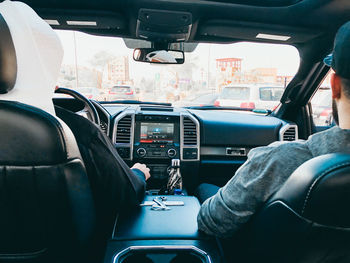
x: 346, y: 86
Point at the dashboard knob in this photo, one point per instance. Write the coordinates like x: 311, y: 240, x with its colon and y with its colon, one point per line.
x: 171, y: 153
x: 141, y: 152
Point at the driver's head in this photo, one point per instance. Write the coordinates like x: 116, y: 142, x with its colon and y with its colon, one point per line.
x: 38, y: 52
x: 339, y: 61
x: 160, y: 56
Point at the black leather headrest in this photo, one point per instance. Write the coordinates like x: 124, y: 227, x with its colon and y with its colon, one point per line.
x: 31, y: 136
x: 319, y: 190
x: 8, y: 61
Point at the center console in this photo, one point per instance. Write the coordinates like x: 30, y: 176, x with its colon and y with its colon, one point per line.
x: 156, y: 142
x: 164, y: 236
x: 155, y: 137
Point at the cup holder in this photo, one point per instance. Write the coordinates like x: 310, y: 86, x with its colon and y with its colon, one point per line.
x: 181, y: 258
x: 136, y: 258
x: 162, y: 254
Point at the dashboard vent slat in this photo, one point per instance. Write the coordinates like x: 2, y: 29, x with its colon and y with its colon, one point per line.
x: 190, y: 134
x: 290, y: 134
x: 124, y: 130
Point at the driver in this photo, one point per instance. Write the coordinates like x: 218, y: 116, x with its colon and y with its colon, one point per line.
x: 268, y: 168
x: 39, y: 55
x: 160, y: 56
x: 115, y: 187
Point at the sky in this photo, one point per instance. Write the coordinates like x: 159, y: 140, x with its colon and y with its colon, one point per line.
x: 255, y: 55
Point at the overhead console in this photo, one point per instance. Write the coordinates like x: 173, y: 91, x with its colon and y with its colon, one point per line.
x: 163, y: 25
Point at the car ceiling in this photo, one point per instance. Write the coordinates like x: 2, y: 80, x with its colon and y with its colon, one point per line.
x: 213, y: 21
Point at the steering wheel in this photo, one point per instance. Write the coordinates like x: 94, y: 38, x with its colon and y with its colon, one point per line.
x: 89, y: 108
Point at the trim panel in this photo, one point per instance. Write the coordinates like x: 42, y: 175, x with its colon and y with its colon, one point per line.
x: 182, y: 146
x: 132, y: 133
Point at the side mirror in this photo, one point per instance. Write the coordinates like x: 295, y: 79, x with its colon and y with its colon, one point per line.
x: 152, y: 55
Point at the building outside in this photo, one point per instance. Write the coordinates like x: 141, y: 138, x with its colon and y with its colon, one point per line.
x: 232, y: 64
x: 85, y: 77
x: 284, y: 80
x: 264, y: 75
x: 228, y: 71
x: 117, y: 71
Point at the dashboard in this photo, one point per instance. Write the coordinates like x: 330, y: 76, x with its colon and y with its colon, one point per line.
x: 210, y: 144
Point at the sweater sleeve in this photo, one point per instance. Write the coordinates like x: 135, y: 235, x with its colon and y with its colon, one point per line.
x: 266, y: 169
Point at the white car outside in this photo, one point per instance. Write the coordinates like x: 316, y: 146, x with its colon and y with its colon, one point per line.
x: 262, y: 96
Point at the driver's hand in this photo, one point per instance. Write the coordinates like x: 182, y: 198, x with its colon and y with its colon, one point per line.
x: 143, y: 168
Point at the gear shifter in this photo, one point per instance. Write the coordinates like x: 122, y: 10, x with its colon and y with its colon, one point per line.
x: 175, y: 179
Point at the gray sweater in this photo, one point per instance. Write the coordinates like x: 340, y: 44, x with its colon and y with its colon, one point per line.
x: 264, y: 172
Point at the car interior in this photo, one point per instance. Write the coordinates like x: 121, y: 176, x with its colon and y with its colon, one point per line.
x: 46, y: 200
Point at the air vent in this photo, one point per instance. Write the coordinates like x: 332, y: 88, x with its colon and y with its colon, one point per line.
x: 124, y: 130
x: 190, y: 132
x: 290, y: 133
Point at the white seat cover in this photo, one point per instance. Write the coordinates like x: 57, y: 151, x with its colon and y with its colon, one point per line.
x: 39, y: 56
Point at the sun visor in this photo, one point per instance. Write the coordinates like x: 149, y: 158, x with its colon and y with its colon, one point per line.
x: 39, y: 55
x: 266, y: 3
x: 84, y: 20
x: 256, y: 32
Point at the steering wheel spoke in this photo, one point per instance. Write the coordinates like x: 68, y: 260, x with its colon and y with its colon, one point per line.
x: 89, y: 108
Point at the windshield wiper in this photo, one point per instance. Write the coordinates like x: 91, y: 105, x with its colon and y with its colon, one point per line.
x: 261, y: 111
x: 217, y: 108
x: 135, y: 102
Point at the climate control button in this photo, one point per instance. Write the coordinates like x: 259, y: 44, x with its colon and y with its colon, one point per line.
x: 171, y: 153
x: 141, y: 152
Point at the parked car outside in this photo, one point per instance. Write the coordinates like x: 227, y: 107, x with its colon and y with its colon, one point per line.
x: 248, y: 96
x: 121, y: 92
x: 205, y: 99
x: 322, y: 107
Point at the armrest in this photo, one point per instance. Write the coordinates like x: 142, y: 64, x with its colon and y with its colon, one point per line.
x: 180, y: 222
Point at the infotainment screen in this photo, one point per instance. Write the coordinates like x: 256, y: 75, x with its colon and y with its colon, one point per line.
x: 152, y: 132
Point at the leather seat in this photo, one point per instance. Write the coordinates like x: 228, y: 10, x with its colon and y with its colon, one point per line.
x: 308, y: 219
x: 46, y: 207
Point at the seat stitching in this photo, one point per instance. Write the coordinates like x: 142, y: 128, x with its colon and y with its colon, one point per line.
x: 314, y: 183
x: 27, y: 255
x: 49, y: 117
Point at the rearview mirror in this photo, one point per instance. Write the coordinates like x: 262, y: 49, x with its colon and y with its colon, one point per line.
x: 152, y: 55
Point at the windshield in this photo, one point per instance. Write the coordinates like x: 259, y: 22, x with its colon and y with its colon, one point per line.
x: 235, y: 93
x: 227, y: 75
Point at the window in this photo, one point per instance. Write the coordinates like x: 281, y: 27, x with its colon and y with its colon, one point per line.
x: 271, y: 93
x: 321, y: 104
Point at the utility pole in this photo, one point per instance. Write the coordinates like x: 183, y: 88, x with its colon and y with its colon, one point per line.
x: 76, y: 60
x: 208, y: 67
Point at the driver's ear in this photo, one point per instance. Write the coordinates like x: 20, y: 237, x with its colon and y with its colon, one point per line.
x: 336, y: 86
